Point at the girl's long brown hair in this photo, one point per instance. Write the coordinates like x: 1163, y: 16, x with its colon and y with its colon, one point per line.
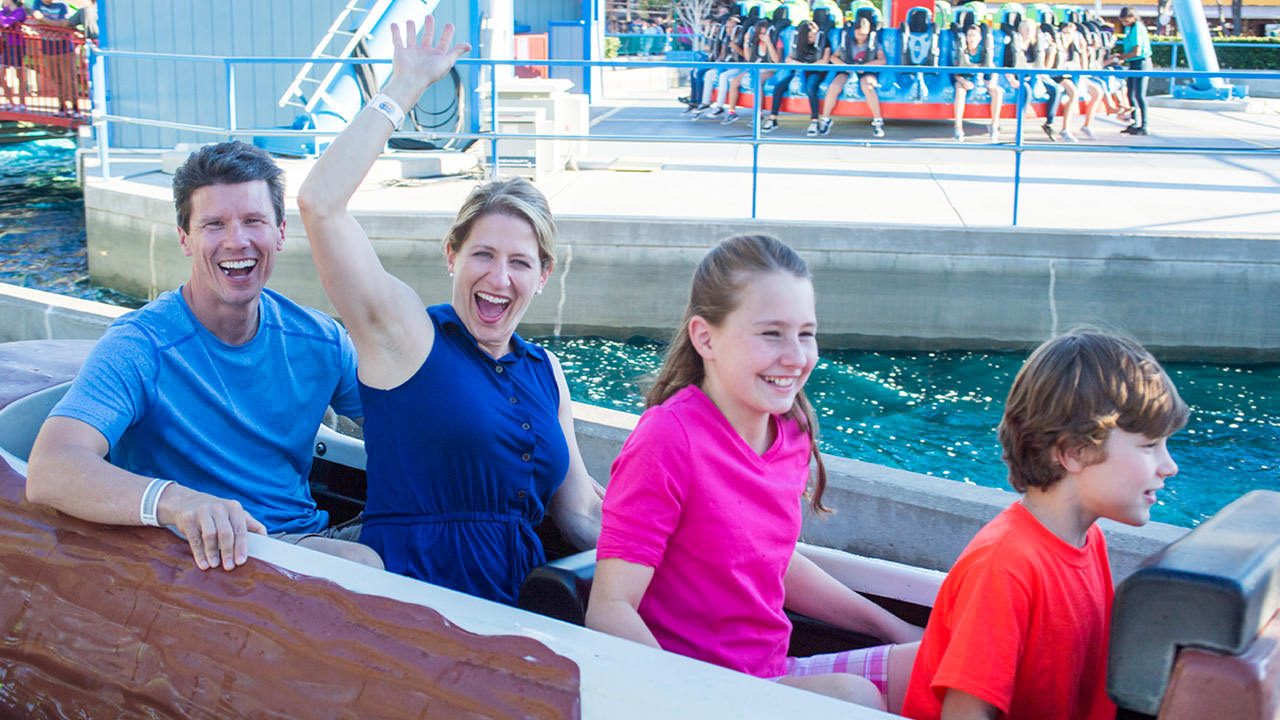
x: 716, y: 292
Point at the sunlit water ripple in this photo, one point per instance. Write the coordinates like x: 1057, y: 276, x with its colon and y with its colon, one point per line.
x: 936, y: 413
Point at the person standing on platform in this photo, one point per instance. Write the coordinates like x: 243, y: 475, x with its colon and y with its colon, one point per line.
x: 57, y: 68
x: 12, y: 49
x: 1135, y: 48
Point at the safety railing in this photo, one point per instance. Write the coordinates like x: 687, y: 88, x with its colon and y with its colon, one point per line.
x: 1175, y: 45
x: 44, y: 72
x: 652, y: 43
x: 1018, y: 147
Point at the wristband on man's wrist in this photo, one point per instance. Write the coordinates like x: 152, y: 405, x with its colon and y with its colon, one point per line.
x: 151, y: 501
x: 389, y: 108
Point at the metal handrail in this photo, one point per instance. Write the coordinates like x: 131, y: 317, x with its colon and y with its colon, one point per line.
x: 1025, y: 76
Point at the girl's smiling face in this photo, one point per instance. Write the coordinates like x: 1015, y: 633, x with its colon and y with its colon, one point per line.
x: 760, y: 356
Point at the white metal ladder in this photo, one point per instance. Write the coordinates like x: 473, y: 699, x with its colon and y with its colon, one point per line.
x: 307, y: 89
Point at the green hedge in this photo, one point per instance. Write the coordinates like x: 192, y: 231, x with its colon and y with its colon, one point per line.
x: 1263, y: 55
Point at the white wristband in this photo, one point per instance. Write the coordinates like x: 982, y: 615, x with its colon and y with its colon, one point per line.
x: 389, y: 109
x: 150, y: 500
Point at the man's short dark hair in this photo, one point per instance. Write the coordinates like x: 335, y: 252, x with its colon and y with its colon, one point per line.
x: 226, y: 163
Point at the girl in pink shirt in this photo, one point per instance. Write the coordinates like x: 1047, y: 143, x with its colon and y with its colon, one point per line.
x: 697, y: 553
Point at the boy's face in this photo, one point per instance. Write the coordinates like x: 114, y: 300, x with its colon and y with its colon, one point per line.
x: 1123, y: 487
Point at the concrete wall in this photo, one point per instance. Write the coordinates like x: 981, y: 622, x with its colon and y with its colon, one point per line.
x: 881, y: 287
x: 880, y: 512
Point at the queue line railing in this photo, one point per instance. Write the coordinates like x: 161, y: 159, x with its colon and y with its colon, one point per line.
x: 1018, y: 147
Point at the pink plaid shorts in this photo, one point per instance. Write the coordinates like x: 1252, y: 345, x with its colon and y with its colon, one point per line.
x: 871, y: 663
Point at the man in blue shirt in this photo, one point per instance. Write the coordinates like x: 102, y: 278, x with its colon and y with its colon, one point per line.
x: 207, y: 399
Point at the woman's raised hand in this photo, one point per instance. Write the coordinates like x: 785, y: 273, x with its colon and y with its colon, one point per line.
x: 419, y: 60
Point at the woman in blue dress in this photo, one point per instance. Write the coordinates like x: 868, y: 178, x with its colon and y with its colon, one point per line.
x: 468, y: 427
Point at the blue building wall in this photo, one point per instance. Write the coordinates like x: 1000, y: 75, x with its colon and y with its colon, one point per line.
x: 196, y: 92
x: 535, y: 14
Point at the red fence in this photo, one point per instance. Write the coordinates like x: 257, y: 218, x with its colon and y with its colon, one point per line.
x: 44, y: 76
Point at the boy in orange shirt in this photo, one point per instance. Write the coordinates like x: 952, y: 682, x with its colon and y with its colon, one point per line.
x: 1020, y: 626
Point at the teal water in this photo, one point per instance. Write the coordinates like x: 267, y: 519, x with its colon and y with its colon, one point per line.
x: 42, y: 243
x: 933, y: 413
x: 936, y: 413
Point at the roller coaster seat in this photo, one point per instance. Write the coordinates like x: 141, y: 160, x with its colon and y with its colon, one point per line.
x: 942, y: 13
x: 560, y: 589
x: 1195, y: 631
x: 829, y: 8
x: 920, y: 38
x: 862, y: 8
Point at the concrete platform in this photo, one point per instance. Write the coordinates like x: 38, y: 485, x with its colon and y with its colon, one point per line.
x: 911, y: 246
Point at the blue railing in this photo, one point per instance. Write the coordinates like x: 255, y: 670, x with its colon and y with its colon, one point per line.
x: 231, y: 128
x: 1174, y: 45
x: 652, y: 44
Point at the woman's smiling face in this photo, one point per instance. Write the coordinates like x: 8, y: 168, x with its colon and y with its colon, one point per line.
x: 496, y: 273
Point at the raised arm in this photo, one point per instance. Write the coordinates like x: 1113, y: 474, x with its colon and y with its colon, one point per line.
x: 576, y: 504
x: 383, y: 315
x: 811, y: 591
x: 67, y: 471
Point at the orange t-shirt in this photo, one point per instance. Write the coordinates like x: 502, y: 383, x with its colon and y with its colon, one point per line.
x: 1022, y: 622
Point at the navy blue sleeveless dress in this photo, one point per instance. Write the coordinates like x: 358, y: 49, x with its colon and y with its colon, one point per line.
x: 463, y: 459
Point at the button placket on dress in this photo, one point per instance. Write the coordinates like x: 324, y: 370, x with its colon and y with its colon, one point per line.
x: 522, y: 414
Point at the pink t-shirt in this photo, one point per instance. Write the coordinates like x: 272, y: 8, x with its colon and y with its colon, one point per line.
x: 718, y: 524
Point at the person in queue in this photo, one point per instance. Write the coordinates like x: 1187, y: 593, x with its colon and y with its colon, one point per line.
x: 698, y: 549
x: 810, y: 48
x: 858, y: 48
x: 468, y: 427
x: 970, y: 54
x: 1020, y: 625
x: 207, y: 399
x: 1135, y: 49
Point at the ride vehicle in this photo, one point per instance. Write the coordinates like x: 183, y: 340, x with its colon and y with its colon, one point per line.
x: 119, y: 621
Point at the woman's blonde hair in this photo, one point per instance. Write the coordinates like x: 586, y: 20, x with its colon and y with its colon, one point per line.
x: 515, y: 197
x: 715, y: 293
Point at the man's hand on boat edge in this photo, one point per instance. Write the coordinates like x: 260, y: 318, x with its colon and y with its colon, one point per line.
x: 217, y: 529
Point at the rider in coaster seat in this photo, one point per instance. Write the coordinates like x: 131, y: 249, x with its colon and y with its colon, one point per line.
x: 1029, y: 49
x: 810, y: 48
x: 1059, y: 88
x: 859, y: 45
x: 733, y: 55
x: 919, y: 46
x: 760, y: 46
x: 703, y: 80
x: 974, y: 48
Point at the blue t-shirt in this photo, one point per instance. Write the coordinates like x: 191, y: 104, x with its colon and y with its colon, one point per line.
x: 1136, y: 37
x: 463, y: 459
x: 52, y: 11
x: 237, y: 422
